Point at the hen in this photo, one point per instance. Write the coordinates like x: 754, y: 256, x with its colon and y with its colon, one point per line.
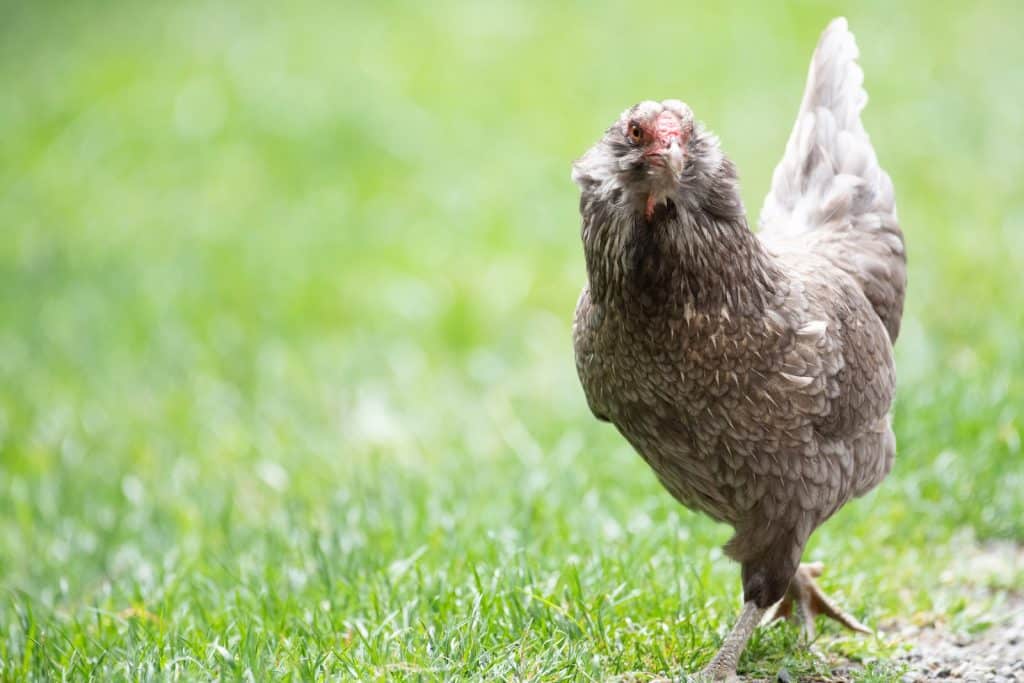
x: 753, y: 372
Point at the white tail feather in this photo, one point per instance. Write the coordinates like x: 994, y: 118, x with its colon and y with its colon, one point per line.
x: 828, y: 192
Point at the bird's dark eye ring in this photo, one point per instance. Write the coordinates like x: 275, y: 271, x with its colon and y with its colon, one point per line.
x: 635, y: 132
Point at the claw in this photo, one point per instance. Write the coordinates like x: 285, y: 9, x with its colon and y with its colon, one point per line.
x: 811, y: 601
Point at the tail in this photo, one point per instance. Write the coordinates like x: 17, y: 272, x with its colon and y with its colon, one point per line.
x: 828, y: 193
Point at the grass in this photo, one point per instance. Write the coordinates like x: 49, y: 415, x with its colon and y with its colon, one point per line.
x: 286, y: 385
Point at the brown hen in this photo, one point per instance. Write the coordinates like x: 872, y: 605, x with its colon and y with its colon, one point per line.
x: 753, y: 372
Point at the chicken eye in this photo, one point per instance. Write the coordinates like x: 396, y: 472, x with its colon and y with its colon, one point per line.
x: 635, y: 132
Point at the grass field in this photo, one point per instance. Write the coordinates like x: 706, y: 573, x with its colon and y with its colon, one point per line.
x: 286, y: 381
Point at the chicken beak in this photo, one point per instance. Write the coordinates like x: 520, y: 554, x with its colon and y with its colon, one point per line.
x: 674, y: 157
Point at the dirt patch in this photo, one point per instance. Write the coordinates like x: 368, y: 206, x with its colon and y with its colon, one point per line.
x: 990, y: 645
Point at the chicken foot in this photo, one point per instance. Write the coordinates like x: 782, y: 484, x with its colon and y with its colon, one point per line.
x: 809, y: 600
x: 804, y: 596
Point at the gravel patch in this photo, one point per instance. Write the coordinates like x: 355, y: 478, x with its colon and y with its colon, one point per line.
x: 996, y: 654
x: 989, y: 577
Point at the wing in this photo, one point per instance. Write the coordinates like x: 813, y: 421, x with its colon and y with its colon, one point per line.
x: 583, y: 344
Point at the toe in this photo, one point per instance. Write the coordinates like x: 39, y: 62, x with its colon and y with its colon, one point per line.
x: 813, y: 601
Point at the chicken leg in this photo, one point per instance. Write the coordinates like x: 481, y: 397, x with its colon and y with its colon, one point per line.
x: 809, y: 600
x: 723, y: 666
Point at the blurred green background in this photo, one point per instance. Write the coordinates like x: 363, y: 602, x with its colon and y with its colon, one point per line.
x: 286, y: 379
